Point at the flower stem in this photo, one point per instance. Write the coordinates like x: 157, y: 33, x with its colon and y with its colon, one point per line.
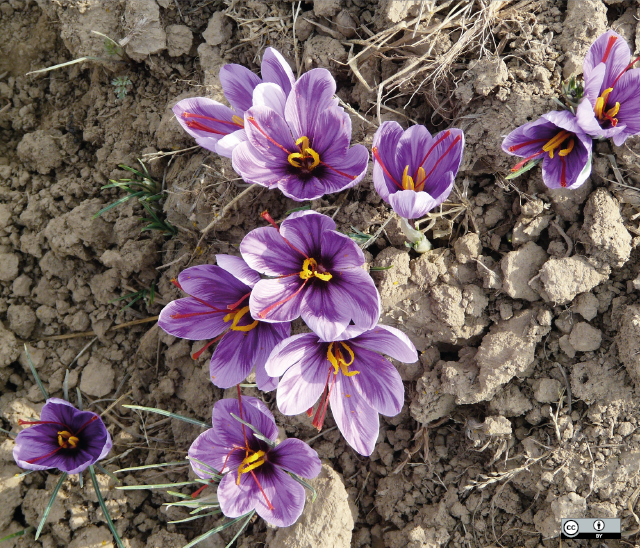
x: 418, y: 240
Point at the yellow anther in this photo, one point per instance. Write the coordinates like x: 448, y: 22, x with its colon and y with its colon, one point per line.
x: 566, y: 151
x: 237, y: 120
x: 309, y: 270
x: 613, y: 110
x: 250, y: 463
x: 338, y: 362
x: 407, y: 181
x: 555, y: 142
x: 420, y: 179
x: 306, y: 153
x: 304, y: 141
x: 67, y: 439
x: 292, y: 159
x: 237, y: 316
x: 601, y: 102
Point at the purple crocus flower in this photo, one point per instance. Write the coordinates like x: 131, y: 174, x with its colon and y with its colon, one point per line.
x: 217, y: 308
x: 413, y: 171
x: 317, y: 274
x: 558, y: 139
x: 347, y: 372
x: 219, y: 128
x: 611, y: 101
x: 305, y: 150
x: 64, y: 438
x: 256, y: 472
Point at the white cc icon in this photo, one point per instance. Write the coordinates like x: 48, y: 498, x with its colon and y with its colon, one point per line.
x: 570, y: 528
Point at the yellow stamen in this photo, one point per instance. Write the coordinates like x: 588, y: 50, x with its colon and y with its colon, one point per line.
x: 338, y: 362
x: 250, y: 463
x: 67, y: 439
x: 237, y: 120
x: 306, y: 152
x: 566, y: 151
x: 420, y: 179
x: 601, y: 102
x: 407, y: 181
x: 309, y: 270
x: 555, y: 142
x: 237, y: 316
x: 613, y: 110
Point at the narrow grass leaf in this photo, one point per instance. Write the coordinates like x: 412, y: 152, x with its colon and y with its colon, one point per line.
x: 51, y: 501
x: 65, y: 385
x: 192, y: 518
x: 219, y: 529
x: 302, y: 482
x: 107, y: 473
x: 242, y: 528
x: 54, y: 67
x: 169, y: 414
x: 377, y: 268
x: 155, y: 486
x: 79, y: 398
x: 8, y: 433
x: 17, y: 534
x: 147, y: 466
x: 96, y: 487
x: 210, y: 469
x: 35, y: 373
x: 526, y: 168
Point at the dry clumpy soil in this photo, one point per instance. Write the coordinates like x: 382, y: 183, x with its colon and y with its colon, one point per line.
x: 523, y: 406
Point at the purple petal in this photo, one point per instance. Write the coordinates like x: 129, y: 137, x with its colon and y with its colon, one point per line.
x: 284, y: 493
x: 412, y: 205
x: 303, y: 383
x: 443, y: 155
x: 212, y: 284
x: 277, y: 300
x: 237, y: 500
x: 587, y: 119
x: 275, y: 69
x: 238, y: 268
x: 356, y: 419
x: 201, y: 321
x: 269, y: 133
x: 301, y: 188
x: 388, y: 340
x: 238, y: 83
x: 627, y: 93
x: 346, y: 172
x: 296, y: 456
x: 206, y: 448
x: 268, y: 336
x: 593, y: 84
x: 271, y: 96
x: 333, y: 135
x: 326, y: 309
x: 226, y: 145
x: 340, y: 251
x: 289, y: 352
x: 563, y: 119
x: 572, y: 165
x: 304, y: 230
x: 386, y: 141
x: 265, y: 250
x: 233, y: 358
x: 205, y: 119
x: 412, y: 148
x: 256, y: 168
x: 309, y: 97
x: 616, y: 60
x: 529, y: 138
x: 378, y: 382
x: 229, y: 432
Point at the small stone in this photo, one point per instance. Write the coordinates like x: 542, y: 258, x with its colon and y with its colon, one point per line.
x: 5, y: 216
x: 22, y: 320
x: 497, y: 426
x: 21, y: 286
x: 78, y: 322
x: 520, y: 266
x: 625, y: 429
x: 9, y: 266
x: 97, y: 378
x: 562, y: 279
x: 585, y: 338
x: 506, y: 310
x: 92, y: 537
x: 468, y: 248
x: 219, y: 30
x: 179, y: 40
x: 548, y: 391
x: 151, y: 37
x: 326, y: 8
x: 545, y: 317
x: 489, y: 74
x: 586, y: 305
x: 566, y: 347
x: 346, y: 24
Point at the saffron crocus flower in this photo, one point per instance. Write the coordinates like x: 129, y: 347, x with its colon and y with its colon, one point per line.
x: 347, y: 372
x: 64, y: 438
x: 218, y: 308
x: 255, y: 472
x: 305, y: 151
x: 317, y: 274
x: 413, y: 171
x: 219, y: 128
x: 558, y: 140
x: 611, y: 101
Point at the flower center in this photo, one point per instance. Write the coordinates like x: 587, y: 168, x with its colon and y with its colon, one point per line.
x: 307, y: 158
x: 407, y: 181
x: 337, y: 359
x: 237, y: 315
x: 250, y: 462
x: 601, y: 104
x: 310, y: 269
x: 235, y: 121
x: 67, y: 440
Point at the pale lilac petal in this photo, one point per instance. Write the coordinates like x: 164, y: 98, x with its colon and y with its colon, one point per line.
x: 237, y: 500
x: 284, y: 493
x: 616, y: 61
x: 302, y: 384
x: 269, y: 133
x: 346, y: 172
x: 587, y: 119
x: 593, y: 84
x: 357, y: 420
x: 390, y: 341
x: 574, y: 166
x: 443, y: 155
x: 333, y: 135
x: 226, y: 145
x: 385, y: 142
x: 302, y: 188
x: 412, y: 147
x: 294, y: 455
x: 233, y: 358
x: 340, y: 252
x: 212, y: 284
x: 238, y: 83
x: 289, y: 352
x: 355, y: 291
x: 539, y: 131
x: 627, y: 93
x: 378, y: 382
x: 206, y: 448
x: 309, y: 97
x: 271, y: 96
x: 203, y: 323
x: 265, y: 250
x: 256, y: 168
x: 229, y: 431
x: 237, y: 267
x: 410, y: 204
x: 268, y: 336
x: 563, y: 119
x: 285, y: 291
x: 275, y: 69
x: 205, y: 118
x: 326, y: 309
x: 304, y: 230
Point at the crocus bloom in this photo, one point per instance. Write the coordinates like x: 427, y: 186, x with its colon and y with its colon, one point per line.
x: 346, y: 372
x: 318, y: 275
x: 64, y: 438
x: 305, y: 150
x: 611, y: 101
x: 413, y: 171
x: 255, y: 473
x: 217, y: 308
x: 220, y: 129
x: 558, y: 140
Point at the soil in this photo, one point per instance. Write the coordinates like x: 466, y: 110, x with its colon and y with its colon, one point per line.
x: 523, y: 407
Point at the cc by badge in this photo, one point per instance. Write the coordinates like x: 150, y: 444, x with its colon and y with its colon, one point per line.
x: 570, y: 528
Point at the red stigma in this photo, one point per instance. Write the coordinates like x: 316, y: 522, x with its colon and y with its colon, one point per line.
x: 563, y: 177
x: 199, y: 353
x: 457, y: 139
x: 265, y: 215
x: 377, y: 157
x: 607, y: 51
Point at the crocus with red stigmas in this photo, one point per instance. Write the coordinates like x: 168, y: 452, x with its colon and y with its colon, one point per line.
x: 611, y: 99
x: 316, y: 273
x: 557, y: 139
x: 304, y: 151
x: 414, y: 171
x: 255, y: 472
x: 219, y: 128
x: 217, y: 308
x: 64, y: 438
x: 349, y: 373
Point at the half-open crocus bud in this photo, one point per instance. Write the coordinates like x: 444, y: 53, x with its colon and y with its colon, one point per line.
x: 64, y: 438
x: 255, y: 472
x: 347, y: 372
